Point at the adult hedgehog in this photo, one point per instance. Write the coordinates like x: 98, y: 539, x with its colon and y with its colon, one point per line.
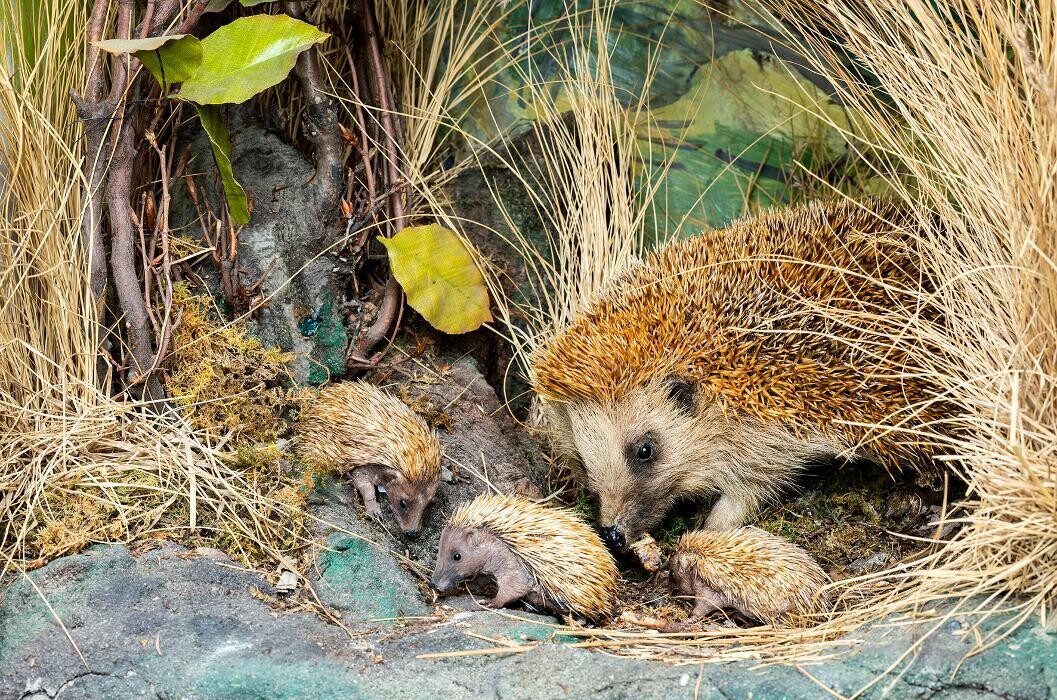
x: 724, y: 363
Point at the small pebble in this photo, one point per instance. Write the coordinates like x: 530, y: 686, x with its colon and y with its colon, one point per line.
x: 871, y: 563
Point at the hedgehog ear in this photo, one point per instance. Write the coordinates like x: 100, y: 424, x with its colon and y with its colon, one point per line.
x: 390, y: 474
x: 479, y: 536
x: 681, y: 393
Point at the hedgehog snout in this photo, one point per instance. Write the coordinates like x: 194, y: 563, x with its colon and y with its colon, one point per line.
x: 614, y: 538
x: 442, y: 583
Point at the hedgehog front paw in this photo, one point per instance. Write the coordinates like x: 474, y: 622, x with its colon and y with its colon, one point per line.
x: 728, y: 513
x: 374, y: 511
x: 493, y: 603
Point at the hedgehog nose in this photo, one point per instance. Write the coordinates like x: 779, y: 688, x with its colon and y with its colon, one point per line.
x: 613, y: 538
x: 411, y: 533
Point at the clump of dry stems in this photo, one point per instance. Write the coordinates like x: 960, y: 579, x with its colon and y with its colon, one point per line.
x: 79, y: 466
x: 964, y: 113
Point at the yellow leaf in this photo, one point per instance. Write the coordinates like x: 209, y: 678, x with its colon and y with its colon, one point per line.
x: 439, y: 277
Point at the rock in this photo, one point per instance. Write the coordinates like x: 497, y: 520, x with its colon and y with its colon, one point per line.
x: 165, y: 624
x: 161, y: 623
x: 363, y: 582
x: 287, y: 236
x: 526, y: 488
x: 864, y: 565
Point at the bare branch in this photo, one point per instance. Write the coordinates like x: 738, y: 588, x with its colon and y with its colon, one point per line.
x: 123, y: 264
x: 321, y: 122
x: 392, y: 302
x: 95, y: 114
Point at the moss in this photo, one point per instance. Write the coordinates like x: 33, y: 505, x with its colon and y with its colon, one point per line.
x: 586, y: 506
x: 672, y: 530
x: 841, y: 518
x: 223, y: 378
x: 181, y: 247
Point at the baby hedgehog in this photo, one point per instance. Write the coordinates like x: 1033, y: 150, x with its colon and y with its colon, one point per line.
x: 356, y: 428
x: 545, y: 555
x: 724, y: 364
x: 751, y: 571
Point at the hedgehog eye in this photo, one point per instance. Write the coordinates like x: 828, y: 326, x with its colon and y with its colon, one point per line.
x: 641, y: 453
x: 455, y: 556
x: 403, y: 504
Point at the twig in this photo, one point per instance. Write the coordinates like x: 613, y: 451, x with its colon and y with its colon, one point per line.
x: 321, y: 122
x: 364, y: 145
x: 393, y: 298
x: 162, y: 230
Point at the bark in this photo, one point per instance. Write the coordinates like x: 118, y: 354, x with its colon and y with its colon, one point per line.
x: 321, y: 123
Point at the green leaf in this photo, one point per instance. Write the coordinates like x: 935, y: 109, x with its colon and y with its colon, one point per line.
x: 251, y: 3
x: 217, y: 132
x: 172, y: 59
x: 248, y: 56
x: 174, y: 62
x: 440, y: 277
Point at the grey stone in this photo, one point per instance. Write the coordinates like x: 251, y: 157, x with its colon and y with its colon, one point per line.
x: 871, y: 563
x: 173, y: 625
x: 283, y: 246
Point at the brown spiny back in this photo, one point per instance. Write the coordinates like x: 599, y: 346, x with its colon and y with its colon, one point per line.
x: 780, y: 317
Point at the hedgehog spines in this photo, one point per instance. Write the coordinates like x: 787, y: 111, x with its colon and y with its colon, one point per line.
x: 355, y: 422
x: 783, y: 317
x: 776, y: 579
x: 566, y: 557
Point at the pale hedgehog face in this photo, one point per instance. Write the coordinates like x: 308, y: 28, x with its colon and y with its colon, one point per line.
x: 462, y: 556
x: 635, y: 451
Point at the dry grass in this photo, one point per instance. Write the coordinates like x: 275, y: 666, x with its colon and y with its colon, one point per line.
x: 443, y: 55
x: 970, y: 119
x: 79, y: 466
x: 581, y: 170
